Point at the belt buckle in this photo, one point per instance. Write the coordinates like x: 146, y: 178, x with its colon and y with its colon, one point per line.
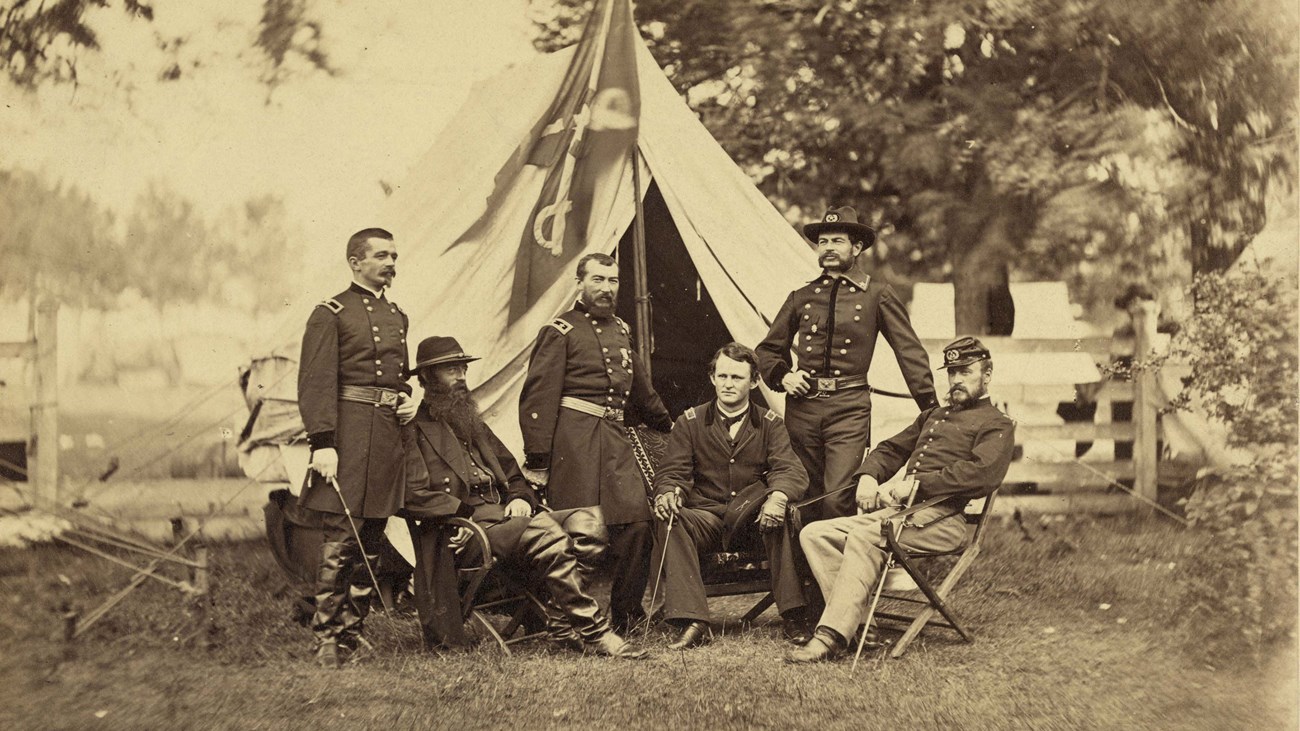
x: 613, y: 414
x: 388, y: 398
x: 826, y: 385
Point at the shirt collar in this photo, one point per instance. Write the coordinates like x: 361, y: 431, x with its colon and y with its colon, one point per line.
x: 717, y: 412
x: 363, y: 289
x: 859, y: 280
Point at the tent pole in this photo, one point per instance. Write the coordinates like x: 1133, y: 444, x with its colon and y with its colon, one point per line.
x: 644, y: 333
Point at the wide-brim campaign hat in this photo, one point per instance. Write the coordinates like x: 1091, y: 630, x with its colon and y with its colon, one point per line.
x: 842, y: 219
x: 440, y: 350
x: 964, y: 351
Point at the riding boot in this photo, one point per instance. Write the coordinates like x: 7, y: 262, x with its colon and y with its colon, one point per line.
x: 553, y: 566
x: 361, y: 593
x: 331, y: 593
x: 588, y: 539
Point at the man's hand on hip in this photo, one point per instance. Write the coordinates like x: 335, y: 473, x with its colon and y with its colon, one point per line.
x: 407, y: 408
x: 796, y: 382
x: 326, y: 462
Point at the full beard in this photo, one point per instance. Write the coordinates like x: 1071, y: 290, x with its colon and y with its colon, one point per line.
x: 599, y: 307
x: 455, y: 407
x: 959, y: 398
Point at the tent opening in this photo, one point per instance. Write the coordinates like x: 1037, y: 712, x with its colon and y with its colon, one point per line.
x: 686, y: 325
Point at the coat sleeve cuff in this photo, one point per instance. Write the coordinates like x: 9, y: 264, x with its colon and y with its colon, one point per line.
x: 927, y: 401
x: 537, y: 461
x: 774, y: 379
x: 321, y: 440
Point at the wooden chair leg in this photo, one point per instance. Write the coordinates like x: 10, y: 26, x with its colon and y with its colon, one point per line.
x: 762, y: 605
x: 925, y: 615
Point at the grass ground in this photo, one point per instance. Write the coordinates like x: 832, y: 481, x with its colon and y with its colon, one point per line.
x: 1077, y: 628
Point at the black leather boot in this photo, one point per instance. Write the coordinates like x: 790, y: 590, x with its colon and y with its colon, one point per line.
x: 331, y: 594
x: 554, y: 568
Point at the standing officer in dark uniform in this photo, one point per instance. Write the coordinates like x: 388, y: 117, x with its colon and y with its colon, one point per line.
x: 831, y: 324
x: 353, y: 397
x: 583, y: 379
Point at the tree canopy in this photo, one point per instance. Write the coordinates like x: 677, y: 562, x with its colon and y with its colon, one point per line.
x: 1102, y: 142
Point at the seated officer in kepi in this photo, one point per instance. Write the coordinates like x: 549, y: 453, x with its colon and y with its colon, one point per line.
x: 455, y: 465
x: 727, y: 475
x: 960, y: 451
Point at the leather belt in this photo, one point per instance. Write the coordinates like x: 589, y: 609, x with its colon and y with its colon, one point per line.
x: 587, y: 407
x: 369, y: 395
x: 823, y: 387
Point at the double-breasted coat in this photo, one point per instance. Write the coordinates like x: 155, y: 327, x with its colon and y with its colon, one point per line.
x: 588, y: 357
x: 356, y: 338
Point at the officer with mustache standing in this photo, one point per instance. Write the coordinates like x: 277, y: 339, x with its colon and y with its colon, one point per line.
x: 353, y: 397
x: 584, y: 383
x: 831, y: 326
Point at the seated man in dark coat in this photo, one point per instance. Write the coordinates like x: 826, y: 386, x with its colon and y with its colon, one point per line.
x: 728, y: 469
x: 455, y: 465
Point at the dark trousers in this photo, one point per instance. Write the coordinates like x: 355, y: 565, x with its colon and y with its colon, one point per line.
x: 344, y: 587
x: 628, y: 559
x: 697, y: 531
x: 831, y: 436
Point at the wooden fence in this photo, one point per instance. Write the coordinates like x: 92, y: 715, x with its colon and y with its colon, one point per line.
x: 1046, y: 476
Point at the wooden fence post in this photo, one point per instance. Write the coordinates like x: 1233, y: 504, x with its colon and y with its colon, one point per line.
x: 1145, y: 397
x: 43, y: 448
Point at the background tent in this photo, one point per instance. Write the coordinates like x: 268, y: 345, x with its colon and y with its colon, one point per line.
x: 719, y: 258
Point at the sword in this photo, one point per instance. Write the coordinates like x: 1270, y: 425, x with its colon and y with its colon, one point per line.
x: 880, y: 585
x: 663, y: 556
x: 360, y: 547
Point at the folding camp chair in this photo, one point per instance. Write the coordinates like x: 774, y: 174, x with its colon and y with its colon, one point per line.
x: 484, y: 591
x: 907, y: 572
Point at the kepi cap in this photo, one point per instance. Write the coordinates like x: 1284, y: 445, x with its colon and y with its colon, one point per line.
x: 964, y: 351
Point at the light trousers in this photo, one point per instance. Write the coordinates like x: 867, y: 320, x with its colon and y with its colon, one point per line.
x: 847, y: 554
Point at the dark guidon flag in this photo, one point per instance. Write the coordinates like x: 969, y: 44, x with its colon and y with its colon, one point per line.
x: 588, y: 132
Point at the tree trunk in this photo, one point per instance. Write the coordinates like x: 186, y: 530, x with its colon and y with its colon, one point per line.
x: 980, y: 273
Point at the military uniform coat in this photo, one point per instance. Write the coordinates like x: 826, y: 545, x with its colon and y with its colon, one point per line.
x: 354, y: 339
x: 710, y: 469
x: 959, y: 453
x: 589, y: 457
x: 831, y: 325
x: 439, y: 474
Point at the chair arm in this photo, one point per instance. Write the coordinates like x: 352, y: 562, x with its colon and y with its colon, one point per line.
x: 476, y: 533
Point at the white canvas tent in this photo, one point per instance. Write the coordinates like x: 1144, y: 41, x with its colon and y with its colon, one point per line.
x: 720, y: 258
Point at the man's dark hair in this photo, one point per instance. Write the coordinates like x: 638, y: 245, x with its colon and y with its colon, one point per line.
x: 357, y: 244
x: 604, y: 260
x: 739, y: 353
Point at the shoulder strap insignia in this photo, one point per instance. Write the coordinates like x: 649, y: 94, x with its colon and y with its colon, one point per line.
x: 398, y: 308
x: 690, y: 414
x: 562, y: 325
x: 770, y: 415
x: 623, y: 325
x: 332, y: 305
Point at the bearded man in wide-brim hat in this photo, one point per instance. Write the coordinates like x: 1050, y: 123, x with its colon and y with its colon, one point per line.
x: 456, y: 465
